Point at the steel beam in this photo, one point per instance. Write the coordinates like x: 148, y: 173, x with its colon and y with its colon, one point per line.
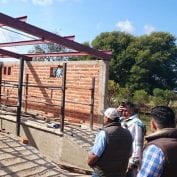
x: 38, y: 32
x: 59, y: 54
x: 23, y: 19
x: 13, y: 55
x: 30, y: 42
x: 56, y: 54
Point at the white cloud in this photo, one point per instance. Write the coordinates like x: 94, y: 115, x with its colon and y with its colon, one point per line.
x: 148, y: 29
x: 3, y: 1
x: 50, y: 2
x: 77, y: 1
x: 125, y: 26
x: 42, y: 2
x: 99, y: 25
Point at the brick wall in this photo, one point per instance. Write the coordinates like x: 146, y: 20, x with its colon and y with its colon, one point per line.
x: 47, y: 101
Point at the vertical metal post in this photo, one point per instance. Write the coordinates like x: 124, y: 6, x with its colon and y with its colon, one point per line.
x: 1, y: 64
x: 63, y: 98
x: 19, y: 99
x: 0, y: 80
x: 92, y: 103
x: 26, y: 92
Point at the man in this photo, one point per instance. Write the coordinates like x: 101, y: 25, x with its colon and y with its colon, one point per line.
x: 130, y: 120
x: 160, y: 153
x: 112, y: 148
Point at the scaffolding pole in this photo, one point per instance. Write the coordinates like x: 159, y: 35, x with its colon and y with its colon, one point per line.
x: 0, y: 79
x: 92, y: 103
x: 19, y: 99
x: 63, y: 98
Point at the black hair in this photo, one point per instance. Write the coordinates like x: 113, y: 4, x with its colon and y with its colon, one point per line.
x: 129, y: 104
x: 163, y: 116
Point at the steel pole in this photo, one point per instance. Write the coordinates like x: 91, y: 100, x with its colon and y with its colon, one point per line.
x: 19, y: 99
x: 63, y: 98
x: 92, y: 103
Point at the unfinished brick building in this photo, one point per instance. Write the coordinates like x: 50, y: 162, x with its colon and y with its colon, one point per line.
x: 42, y: 91
x: 78, y: 95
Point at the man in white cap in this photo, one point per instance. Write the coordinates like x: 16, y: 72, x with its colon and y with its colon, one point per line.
x: 112, y: 148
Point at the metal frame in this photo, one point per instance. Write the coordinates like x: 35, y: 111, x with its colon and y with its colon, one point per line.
x: 30, y: 42
x: 62, y: 101
x: 44, y: 37
x: 23, y: 19
x: 14, y: 55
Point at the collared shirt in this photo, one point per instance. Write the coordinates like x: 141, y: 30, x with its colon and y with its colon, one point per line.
x: 153, y: 162
x: 136, y: 128
x: 99, y: 144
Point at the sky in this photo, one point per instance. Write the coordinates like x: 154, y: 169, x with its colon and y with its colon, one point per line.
x: 86, y: 19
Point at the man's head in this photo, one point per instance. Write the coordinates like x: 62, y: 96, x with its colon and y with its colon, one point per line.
x: 162, y: 117
x: 110, y: 115
x: 128, y: 109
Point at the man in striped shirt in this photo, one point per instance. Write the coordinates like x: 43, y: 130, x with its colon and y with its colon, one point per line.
x: 131, y: 121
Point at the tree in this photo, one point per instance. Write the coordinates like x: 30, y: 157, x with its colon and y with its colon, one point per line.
x: 124, y: 94
x: 155, y: 63
x: 163, y: 97
x: 82, y: 57
x: 48, y: 48
x: 113, y: 89
x: 121, y: 61
x: 141, y: 63
x: 141, y: 97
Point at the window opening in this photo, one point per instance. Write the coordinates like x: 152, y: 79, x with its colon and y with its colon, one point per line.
x: 56, y: 71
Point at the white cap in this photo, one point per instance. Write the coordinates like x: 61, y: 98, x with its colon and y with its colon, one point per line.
x: 111, y: 113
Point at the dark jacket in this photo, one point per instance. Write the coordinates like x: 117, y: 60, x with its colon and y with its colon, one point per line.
x: 114, y: 161
x: 166, y: 140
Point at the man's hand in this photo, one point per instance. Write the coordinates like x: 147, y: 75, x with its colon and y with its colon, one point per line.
x: 131, y: 167
x: 92, y: 159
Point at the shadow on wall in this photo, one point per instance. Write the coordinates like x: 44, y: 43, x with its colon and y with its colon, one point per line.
x: 37, y: 79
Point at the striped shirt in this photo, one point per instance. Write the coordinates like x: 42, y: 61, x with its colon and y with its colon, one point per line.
x: 137, y: 129
x: 153, y: 162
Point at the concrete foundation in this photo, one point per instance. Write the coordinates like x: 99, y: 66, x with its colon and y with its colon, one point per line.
x: 70, y: 147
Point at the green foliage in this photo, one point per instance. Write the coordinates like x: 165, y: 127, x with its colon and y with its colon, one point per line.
x: 121, y: 62
x: 155, y: 62
x: 124, y: 94
x: 82, y: 57
x: 48, y: 48
x: 113, y: 89
x: 141, y: 63
x: 140, y: 97
x: 163, y: 97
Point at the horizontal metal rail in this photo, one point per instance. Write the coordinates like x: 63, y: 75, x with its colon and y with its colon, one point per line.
x: 40, y: 102
x: 32, y: 85
x: 67, y: 101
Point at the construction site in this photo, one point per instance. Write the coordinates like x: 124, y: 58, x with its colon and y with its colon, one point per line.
x: 50, y: 111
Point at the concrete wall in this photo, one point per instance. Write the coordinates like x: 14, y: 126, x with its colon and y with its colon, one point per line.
x: 53, y: 144
x: 78, y: 83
